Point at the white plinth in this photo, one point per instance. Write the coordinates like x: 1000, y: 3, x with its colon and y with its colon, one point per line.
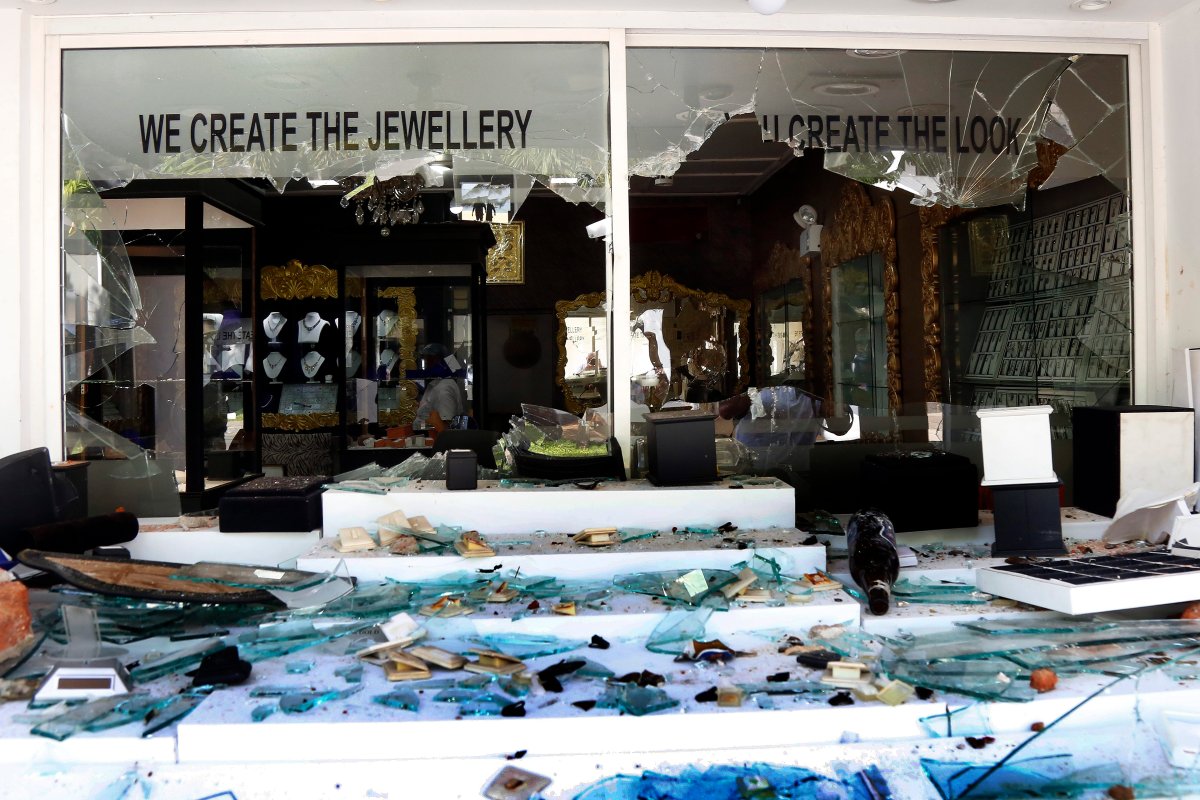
x: 493, y: 510
x: 557, y: 555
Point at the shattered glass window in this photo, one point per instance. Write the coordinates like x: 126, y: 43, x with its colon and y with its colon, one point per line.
x: 991, y: 190
x: 312, y: 154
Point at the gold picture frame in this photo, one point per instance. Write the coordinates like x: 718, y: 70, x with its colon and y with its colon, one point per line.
x: 506, y: 258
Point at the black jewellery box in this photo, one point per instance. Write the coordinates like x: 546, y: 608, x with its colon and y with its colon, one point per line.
x: 681, y: 447
x: 273, y: 505
x: 922, y: 490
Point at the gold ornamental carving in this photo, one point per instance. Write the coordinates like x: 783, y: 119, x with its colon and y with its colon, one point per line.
x: 506, y: 258
x: 933, y: 218
x: 405, y: 328
x: 861, y: 227
x: 296, y: 281
x: 300, y: 422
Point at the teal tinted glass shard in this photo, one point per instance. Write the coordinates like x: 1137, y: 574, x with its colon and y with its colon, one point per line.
x: 784, y: 687
x: 732, y: 782
x: 686, y: 586
x: 402, y: 699
x: 372, y: 601
x: 1037, y: 625
x: 176, y: 661
x: 529, y: 645
x: 969, y: 720
x: 984, y: 680
x: 299, y: 667
x: 635, y: 700
x: 179, y: 707
x: 262, y: 711
x: 301, y: 702
x: 351, y: 674
x: 456, y: 694
x: 122, y: 788
x: 331, y: 588
x: 1019, y: 778
x: 485, y: 704
x: 135, y: 709
x: 678, y: 629
x: 636, y: 534
x: 512, y: 686
x: 74, y: 720
x: 277, y: 643
x: 591, y: 669
x: 274, y: 691
x: 246, y: 576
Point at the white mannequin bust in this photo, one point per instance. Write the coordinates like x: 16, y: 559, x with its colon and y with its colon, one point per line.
x: 353, y: 320
x: 272, y: 324
x: 273, y: 365
x: 387, y: 360
x: 384, y: 323
x: 310, y: 365
x: 311, y: 325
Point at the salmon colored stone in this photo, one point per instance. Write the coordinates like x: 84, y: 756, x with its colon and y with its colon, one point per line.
x: 1191, y: 612
x: 15, y: 623
x: 1043, y: 679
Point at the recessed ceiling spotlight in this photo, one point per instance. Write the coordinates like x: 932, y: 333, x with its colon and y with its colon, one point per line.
x: 1090, y: 5
x: 767, y: 6
x: 846, y: 89
x: 863, y: 52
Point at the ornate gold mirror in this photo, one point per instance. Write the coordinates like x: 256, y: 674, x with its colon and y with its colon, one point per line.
x: 861, y: 305
x: 583, y: 351
x: 687, y: 345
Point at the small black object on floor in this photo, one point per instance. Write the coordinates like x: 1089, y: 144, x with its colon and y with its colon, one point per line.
x: 222, y: 668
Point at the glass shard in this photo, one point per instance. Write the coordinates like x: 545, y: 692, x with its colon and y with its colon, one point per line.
x: 635, y: 700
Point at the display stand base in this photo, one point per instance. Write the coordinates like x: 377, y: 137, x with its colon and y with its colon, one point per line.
x: 1028, y: 520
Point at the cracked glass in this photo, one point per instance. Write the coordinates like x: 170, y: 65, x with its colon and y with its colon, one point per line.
x: 373, y: 138
x: 917, y: 235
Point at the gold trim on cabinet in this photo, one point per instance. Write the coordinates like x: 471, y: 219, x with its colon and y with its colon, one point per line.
x: 296, y: 281
x: 562, y: 310
x: 300, y: 422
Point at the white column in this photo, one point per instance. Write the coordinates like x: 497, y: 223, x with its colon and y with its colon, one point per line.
x: 14, y: 247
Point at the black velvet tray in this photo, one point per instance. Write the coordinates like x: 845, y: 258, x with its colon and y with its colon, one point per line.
x: 273, y: 505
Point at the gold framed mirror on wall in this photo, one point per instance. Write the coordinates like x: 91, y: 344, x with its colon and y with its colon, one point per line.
x: 582, y: 371
x: 687, y: 345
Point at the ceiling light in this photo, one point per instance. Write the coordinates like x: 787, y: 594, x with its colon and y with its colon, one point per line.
x: 767, y: 6
x: 846, y: 89
x: 866, y: 52
x: 1091, y: 5
x: 805, y: 216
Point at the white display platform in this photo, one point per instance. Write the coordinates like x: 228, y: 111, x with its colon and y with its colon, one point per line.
x: 556, y: 555
x: 491, y: 509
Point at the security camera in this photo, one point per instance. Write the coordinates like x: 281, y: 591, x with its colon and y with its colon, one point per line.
x: 598, y: 229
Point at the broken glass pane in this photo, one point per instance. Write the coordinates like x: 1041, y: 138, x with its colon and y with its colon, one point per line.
x: 403, y: 699
x: 969, y: 720
x: 262, y: 711
x: 75, y: 719
x: 686, y: 586
x: 530, y: 645
x: 635, y: 700
x: 1020, y: 778
x: 156, y: 665
x: 437, y: 123
x: 678, y: 629
x: 485, y: 704
x: 952, y: 128
x: 300, y: 702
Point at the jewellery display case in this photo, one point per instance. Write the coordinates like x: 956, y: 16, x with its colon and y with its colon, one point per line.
x: 391, y: 315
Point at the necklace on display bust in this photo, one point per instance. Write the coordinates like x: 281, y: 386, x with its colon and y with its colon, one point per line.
x: 385, y: 322
x: 273, y: 365
x: 310, y: 327
x: 353, y: 362
x: 273, y: 323
x: 387, y: 360
x: 310, y: 365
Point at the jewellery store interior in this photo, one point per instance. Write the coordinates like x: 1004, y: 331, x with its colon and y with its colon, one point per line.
x: 278, y: 263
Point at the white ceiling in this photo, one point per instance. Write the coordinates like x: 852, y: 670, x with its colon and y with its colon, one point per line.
x: 1119, y: 11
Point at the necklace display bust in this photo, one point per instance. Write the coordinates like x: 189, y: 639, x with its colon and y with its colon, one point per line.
x: 311, y: 326
x: 387, y: 360
x: 310, y: 365
x: 273, y: 365
x: 384, y: 323
x: 272, y: 324
x: 353, y: 362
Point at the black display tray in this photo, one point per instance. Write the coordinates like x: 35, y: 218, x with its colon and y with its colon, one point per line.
x: 273, y: 505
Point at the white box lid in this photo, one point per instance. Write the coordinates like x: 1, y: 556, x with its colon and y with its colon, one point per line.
x: 1015, y: 411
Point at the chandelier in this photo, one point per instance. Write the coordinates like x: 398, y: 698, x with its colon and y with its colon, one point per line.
x: 394, y: 201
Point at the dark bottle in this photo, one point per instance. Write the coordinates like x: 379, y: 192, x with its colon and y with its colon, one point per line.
x: 874, y: 563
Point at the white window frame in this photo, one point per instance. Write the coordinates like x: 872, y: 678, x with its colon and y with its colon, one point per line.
x: 42, y: 411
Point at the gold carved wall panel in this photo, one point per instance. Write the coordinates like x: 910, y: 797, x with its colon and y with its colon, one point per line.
x: 296, y: 281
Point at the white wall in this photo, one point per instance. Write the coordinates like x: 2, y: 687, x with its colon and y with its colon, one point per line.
x: 1180, y: 194
x: 14, y: 248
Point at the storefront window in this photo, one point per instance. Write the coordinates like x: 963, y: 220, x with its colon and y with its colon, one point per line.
x: 472, y: 186
x: 916, y: 235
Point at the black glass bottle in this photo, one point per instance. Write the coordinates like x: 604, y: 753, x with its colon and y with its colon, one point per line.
x: 874, y: 563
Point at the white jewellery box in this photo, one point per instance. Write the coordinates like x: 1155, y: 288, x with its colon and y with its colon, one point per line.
x: 1016, y: 445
